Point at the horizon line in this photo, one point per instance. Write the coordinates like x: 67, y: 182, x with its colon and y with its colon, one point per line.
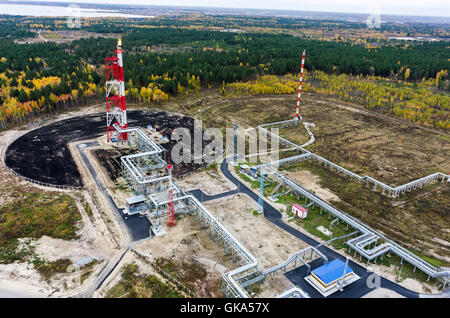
x: 213, y: 7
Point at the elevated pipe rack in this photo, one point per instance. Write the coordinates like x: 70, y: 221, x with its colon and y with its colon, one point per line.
x: 368, y: 235
x: 234, y: 281
x: 294, y: 292
x: 387, y: 190
x: 300, y: 255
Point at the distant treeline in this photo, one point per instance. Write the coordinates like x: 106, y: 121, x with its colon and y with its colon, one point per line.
x: 233, y: 57
x: 38, y: 77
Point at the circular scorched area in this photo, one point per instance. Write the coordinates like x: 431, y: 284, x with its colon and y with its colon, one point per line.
x: 43, y: 154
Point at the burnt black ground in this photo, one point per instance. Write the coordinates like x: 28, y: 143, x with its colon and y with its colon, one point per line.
x: 110, y: 160
x: 43, y: 155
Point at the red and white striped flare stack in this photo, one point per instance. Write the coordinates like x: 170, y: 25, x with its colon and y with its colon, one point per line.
x: 171, y: 220
x: 297, y: 113
x: 116, y: 111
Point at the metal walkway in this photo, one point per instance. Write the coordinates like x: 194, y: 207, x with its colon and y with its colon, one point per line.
x: 385, y: 189
x: 368, y: 235
x: 296, y: 276
x: 367, y: 243
x: 235, y: 281
x: 137, y: 168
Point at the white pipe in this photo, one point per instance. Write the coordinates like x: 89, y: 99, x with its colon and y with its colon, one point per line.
x: 253, y: 262
x: 292, y: 292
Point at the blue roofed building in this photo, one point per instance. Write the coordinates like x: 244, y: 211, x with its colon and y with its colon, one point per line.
x: 327, y: 278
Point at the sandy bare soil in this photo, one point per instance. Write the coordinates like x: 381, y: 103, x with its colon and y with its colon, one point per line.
x: 274, y: 285
x: 382, y: 293
x: 208, y: 184
x: 185, y: 242
x: 22, y: 277
x: 269, y: 244
x: 16, y: 289
x: 311, y: 182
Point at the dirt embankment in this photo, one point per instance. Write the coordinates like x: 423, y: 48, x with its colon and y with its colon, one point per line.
x: 89, y: 245
x: 383, y: 147
x: 236, y: 214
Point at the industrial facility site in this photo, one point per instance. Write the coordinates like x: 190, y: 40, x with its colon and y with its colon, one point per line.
x: 254, y: 222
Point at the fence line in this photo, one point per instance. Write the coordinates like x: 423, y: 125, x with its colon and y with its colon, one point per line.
x: 56, y: 186
x: 45, y: 184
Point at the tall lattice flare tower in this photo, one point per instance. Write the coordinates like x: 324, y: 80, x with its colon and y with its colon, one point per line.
x: 116, y: 111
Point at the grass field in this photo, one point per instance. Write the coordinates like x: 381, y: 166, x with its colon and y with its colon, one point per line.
x: 135, y: 285
x: 314, y: 219
x: 385, y: 148
x: 426, y: 211
x: 32, y: 215
x: 317, y: 218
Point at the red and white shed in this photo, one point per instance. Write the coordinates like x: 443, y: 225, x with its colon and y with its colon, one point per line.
x: 300, y: 211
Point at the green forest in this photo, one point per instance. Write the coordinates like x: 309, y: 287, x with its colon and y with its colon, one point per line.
x: 172, y: 60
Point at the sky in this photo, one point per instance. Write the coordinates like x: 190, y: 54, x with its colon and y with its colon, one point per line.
x: 402, y: 7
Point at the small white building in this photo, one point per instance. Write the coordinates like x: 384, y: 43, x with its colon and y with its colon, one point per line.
x: 244, y: 168
x: 299, y: 211
x: 135, y: 205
